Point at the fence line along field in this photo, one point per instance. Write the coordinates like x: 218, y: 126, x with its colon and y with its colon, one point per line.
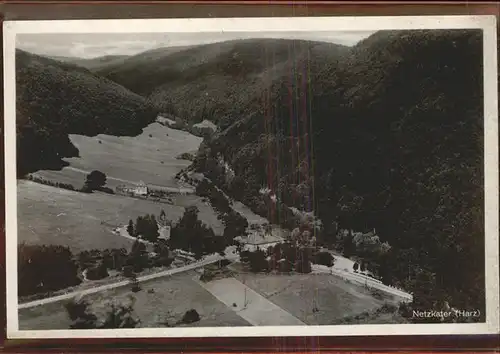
x: 150, y: 157
x: 84, y: 221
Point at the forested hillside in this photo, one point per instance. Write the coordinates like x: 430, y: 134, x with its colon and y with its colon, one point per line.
x: 389, y: 138
x: 55, y: 99
x: 129, y: 70
x: 215, y: 80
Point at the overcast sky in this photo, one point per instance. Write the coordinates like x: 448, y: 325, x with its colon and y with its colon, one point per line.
x: 96, y: 44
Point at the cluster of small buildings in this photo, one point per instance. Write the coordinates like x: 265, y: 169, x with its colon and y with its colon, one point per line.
x: 140, y: 190
x: 260, y: 237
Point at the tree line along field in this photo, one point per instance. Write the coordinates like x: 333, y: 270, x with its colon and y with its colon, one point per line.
x: 150, y: 156
x: 75, y: 219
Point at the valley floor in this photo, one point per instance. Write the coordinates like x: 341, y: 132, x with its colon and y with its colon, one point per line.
x: 242, y: 300
x: 260, y: 299
x: 49, y: 215
x: 315, y: 299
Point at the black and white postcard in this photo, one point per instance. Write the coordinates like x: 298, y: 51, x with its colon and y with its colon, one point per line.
x: 251, y: 177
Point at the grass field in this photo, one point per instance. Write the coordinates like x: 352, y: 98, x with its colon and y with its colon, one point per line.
x: 249, y: 304
x: 337, y: 301
x: 151, y: 159
x: 251, y: 217
x: 334, y: 298
x: 172, y: 297
x: 48, y: 215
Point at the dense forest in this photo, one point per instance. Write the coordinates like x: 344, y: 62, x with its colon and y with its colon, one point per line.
x: 388, y: 138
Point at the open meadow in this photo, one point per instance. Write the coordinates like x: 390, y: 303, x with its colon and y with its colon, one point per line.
x: 160, y: 301
x: 268, y: 300
x: 249, y: 304
x: 317, y: 299
x: 149, y: 157
x: 49, y: 215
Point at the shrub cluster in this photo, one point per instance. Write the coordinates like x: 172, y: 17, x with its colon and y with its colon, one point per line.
x: 191, y: 235
x: 283, y: 257
x: 45, y: 268
x: 145, y: 227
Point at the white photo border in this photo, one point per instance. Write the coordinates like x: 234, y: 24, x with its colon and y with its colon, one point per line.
x: 272, y: 24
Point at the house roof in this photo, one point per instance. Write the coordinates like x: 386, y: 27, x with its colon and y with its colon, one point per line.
x: 258, y: 238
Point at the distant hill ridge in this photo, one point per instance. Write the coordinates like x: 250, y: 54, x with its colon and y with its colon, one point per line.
x: 211, y: 80
x: 92, y: 63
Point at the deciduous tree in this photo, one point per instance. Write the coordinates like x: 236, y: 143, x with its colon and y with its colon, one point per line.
x: 95, y: 180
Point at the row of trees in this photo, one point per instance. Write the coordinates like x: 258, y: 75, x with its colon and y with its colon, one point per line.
x: 95, y: 180
x: 145, y: 227
x: 47, y: 182
x: 234, y: 223
x: 285, y: 257
x: 217, y: 199
x: 191, y: 235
